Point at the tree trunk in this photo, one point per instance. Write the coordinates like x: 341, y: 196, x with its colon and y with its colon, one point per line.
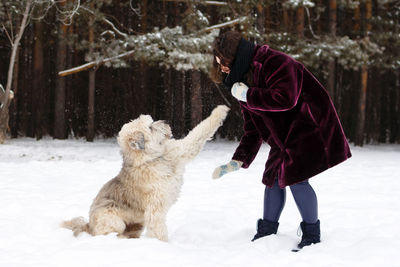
x: 368, y: 16
x: 359, y: 141
x: 142, y: 93
x: 60, y: 131
x: 196, y: 100
x: 267, y: 19
x: 357, y: 16
x: 178, y: 107
x: 319, y: 22
x: 360, y: 133
x: 300, y: 22
x: 285, y: 19
x: 91, y: 106
x: 13, y: 108
x: 92, y: 86
x: 332, y: 64
x: 260, y: 19
x: 182, y: 117
x: 8, y: 95
x: 37, y: 95
x: 144, y: 16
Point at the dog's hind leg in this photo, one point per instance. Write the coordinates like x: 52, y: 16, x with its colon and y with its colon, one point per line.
x: 133, y: 230
x: 104, y: 221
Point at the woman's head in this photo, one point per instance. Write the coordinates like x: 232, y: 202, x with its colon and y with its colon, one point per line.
x: 224, y: 50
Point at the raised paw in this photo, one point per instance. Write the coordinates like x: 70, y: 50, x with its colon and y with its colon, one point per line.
x: 220, y: 111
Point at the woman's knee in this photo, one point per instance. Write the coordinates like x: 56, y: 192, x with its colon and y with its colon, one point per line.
x: 300, y: 186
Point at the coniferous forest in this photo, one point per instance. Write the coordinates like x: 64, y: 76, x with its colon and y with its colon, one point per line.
x: 83, y: 68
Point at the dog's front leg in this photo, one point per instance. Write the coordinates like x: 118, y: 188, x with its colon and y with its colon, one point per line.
x: 192, y: 144
x: 156, y: 225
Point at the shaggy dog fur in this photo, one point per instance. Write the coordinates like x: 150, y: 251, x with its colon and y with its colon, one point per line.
x: 149, y: 181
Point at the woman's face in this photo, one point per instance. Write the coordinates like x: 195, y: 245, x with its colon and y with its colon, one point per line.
x: 223, y: 68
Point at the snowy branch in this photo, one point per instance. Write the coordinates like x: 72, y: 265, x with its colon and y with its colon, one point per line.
x: 94, y: 64
x: 225, y: 24
x: 168, y: 47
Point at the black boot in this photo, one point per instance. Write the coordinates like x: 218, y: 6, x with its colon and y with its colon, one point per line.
x: 311, y: 234
x: 264, y: 228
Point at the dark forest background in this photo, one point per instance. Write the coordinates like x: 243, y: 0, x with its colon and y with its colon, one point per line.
x: 353, y: 47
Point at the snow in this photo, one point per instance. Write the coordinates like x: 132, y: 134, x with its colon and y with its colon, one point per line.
x: 47, y: 181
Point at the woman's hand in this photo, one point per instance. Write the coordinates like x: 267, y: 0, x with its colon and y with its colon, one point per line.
x: 233, y: 165
x: 239, y: 91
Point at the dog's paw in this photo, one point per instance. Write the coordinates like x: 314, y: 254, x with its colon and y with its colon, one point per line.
x: 220, y: 111
x: 160, y: 235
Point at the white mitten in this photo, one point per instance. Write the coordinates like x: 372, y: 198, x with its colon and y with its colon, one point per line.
x: 233, y: 165
x: 239, y: 91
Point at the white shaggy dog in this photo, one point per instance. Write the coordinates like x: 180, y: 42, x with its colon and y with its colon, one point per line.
x: 149, y: 181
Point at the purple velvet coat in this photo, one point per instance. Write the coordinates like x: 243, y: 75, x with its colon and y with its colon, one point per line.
x: 290, y: 110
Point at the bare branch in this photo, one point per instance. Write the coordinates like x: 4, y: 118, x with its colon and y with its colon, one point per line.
x: 11, y: 26
x: 309, y: 23
x: 8, y: 35
x: 69, y: 14
x: 44, y: 11
x: 136, y: 10
x: 94, y: 64
x: 107, y: 22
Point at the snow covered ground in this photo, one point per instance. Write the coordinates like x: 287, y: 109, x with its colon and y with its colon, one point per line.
x: 44, y: 182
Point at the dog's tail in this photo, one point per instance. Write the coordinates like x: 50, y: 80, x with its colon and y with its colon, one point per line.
x: 77, y: 225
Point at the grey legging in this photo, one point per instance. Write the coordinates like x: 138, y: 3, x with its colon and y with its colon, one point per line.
x: 303, y: 194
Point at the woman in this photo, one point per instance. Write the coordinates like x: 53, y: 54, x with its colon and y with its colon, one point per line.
x: 284, y: 105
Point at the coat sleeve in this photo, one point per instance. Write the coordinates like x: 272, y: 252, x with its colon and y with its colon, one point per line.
x: 250, y: 142
x: 283, y: 80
